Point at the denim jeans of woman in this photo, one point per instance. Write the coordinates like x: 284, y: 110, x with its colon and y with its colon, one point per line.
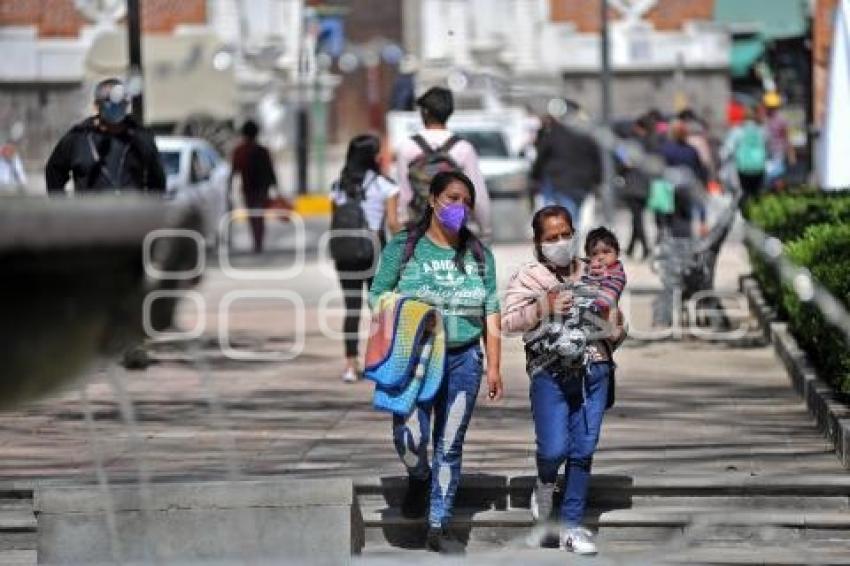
x: 449, y: 414
x: 567, y: 420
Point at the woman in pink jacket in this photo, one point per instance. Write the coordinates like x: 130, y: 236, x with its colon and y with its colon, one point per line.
x: 567, y: 410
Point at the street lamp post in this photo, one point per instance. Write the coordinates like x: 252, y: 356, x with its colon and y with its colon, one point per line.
x: 606, y: 193
x: 302, y: 147
x: 134, y: 48
x: 605, y: 57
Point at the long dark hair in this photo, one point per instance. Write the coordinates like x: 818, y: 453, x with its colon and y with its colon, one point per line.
x: 540, y: 217
x: 361, y: 157
x: 466, y: 239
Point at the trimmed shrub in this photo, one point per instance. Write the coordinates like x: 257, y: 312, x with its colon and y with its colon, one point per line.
x: 786, y: 216
x: 815, y: 229
x: 825, y: 250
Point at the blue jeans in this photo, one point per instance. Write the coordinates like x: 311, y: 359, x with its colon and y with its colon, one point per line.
x: 567, y: 419
x: 451, y: 410
x: 552, y: 195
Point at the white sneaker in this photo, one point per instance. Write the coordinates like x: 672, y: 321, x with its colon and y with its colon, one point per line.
x: 350, y: 376
x: 578, y: 540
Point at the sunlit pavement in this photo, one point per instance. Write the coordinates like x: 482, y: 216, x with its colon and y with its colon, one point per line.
x: 689, y: 409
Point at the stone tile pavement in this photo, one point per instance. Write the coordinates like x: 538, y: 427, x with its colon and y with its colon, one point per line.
x: 685, y: 408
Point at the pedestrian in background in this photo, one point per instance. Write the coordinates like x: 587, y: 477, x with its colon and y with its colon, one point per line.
x: 699, y: 137
x: 434, y: 149
x: 674, y: 258
x: 568, y: 166
x: 109, y: 151
x: 253, y: 163
x: 635, y: 191
x: 745, y: 149
x: 365, y: 204
x: 13, y: 179
x: 681, y: 155
x: 781, y: 153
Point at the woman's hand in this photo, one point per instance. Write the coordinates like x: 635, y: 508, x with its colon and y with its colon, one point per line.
x: 494, y: 384
x: 559, y: 302
x: 493, y: 350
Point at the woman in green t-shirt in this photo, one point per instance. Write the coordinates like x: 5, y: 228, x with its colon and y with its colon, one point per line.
x: 438, y: 260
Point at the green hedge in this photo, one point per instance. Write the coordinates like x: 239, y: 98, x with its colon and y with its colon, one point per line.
x: 816, y: 232
x: 787, y: 216
x: 825, y: 250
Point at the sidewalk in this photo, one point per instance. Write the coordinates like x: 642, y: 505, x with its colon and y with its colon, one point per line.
x: 688, y: 408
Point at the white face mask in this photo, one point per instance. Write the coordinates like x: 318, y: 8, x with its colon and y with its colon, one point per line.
x: 560, y: 253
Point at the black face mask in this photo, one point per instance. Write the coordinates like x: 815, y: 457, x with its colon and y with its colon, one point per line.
x: 113, y: 112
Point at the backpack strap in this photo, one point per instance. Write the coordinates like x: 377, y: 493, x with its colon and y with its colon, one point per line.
x: 361, y: 190
x: 409, y: 246
x: 449, y: 143
x: 423, y: 145
x: 444, y: 148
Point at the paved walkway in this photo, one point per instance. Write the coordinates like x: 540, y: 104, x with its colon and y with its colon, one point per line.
x: 685, y: 408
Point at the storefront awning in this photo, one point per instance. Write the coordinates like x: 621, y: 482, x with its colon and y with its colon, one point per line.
x: 770, y: 19
x: 745, y: 53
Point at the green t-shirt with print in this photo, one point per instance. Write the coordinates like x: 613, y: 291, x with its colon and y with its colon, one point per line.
x: 431, y: 276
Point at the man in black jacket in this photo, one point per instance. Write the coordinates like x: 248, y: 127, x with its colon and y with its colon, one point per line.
x: 108, y: 151
x: 568, y: 165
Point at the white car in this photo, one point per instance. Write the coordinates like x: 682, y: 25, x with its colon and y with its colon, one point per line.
x: 197, y: 173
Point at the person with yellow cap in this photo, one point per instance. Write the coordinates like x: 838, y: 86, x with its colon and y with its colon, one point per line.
x: 781, y: 154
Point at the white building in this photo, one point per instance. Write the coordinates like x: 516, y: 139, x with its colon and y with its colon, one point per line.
x: 243, y: 47
x: 519, y: 40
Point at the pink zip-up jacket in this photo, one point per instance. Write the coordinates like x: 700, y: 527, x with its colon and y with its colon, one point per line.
x: 528, y: 287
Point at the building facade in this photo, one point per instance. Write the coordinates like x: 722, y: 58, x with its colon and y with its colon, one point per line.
x: 824, y: 20
x: 664, y: 53
x: 54, y: 51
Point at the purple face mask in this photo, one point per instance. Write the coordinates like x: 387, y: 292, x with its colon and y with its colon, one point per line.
x: 452, y: 216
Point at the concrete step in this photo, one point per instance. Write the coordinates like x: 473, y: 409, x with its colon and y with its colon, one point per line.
x: 731, y: 517
x: 628, y: 546
x: 16, y: 521
x: 16, y: 490
x: 624, y: 553
x: 18, y: 526
x: 514, y: 491
x: 656, y: 512
x: 654, y: 521
x: 16, y: 505
x: 17, y: 557
x: 740, y: 502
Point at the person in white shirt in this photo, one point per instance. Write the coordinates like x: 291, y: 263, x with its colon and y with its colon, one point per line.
x: 13, y: 179
x: 361, y: 180
x: 436, y: 106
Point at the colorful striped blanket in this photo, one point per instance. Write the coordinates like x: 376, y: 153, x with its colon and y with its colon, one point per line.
x: 406, y: 353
